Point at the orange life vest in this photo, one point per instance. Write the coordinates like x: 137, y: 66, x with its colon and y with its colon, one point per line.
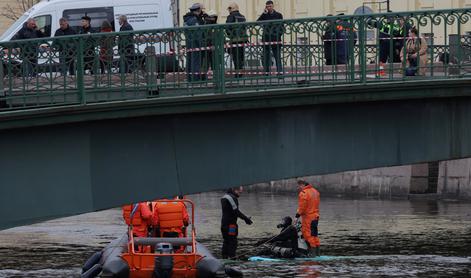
x: 140, y: 216
x: 136, y: 217
x: 170, y: 215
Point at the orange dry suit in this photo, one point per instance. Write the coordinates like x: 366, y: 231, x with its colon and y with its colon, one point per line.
x: 308, y: 209
x: 139, y: 217
x: 172, y: 218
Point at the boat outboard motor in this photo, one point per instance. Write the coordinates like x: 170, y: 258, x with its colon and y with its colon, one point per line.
x: 163, y: 266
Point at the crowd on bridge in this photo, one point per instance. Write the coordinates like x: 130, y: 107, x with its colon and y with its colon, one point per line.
x: 399, y: 42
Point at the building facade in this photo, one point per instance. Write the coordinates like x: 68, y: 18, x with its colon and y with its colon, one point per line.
x: 316, y: 8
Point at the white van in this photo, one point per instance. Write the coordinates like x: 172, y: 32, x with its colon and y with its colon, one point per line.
x: 141, y: 14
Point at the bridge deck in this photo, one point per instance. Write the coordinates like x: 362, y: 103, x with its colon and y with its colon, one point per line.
x: 176, y: 62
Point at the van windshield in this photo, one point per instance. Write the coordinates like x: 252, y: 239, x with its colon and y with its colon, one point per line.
x: 12, y: 28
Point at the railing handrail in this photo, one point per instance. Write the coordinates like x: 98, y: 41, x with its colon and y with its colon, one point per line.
x: 249, y: 23
x: 220, y: 58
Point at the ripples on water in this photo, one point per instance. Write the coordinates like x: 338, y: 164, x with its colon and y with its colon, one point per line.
x: 360, y: 238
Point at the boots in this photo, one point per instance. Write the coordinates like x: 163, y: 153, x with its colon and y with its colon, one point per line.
x: 315, y: 251
x: 318, y: 251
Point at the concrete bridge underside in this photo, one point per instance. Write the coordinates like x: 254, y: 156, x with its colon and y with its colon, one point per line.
x: 71, y: 160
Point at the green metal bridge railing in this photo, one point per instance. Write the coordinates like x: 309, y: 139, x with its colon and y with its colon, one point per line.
x: 218, y: 59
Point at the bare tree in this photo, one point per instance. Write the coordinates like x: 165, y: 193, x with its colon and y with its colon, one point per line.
x: 14, y: 10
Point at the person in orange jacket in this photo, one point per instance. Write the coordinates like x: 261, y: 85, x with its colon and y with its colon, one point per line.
x: 139, y: 217
x: 308, y: 210
x: 170, y: 217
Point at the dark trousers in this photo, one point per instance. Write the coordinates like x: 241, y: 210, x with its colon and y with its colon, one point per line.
x: 385, y: 46
x: 268, y: 51
x: 89, y: 63
x: 126, y: 65
x: 193, y: 67
x: 29, y: 66
x: 67, y: 64
x: 384, y: 50
x: 127, y: 60
x: 229, y: 244
x: 237, y: 55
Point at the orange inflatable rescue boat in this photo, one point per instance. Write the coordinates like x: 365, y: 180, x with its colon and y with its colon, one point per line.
x: 157, y: 257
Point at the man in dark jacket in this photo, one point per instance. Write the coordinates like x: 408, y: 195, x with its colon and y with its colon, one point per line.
x: 29, y: 52
x: 272, y: 38
x: 194, y: 39
x: 66, y: 48
x: 328, y: 38
x: 229, y: 228
x: 237, y: 36
x: 126, y: 45
x: 90, y: 44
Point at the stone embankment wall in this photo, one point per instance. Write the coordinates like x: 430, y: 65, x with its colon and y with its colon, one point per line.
x: 452, y: 179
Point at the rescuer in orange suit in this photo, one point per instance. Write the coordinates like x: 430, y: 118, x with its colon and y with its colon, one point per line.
x: 139, y: 217
x: 170, y: 217
x: 308, y: 210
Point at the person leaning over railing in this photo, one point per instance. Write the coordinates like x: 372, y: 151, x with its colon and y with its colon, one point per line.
x: 272, y: 38
x: 414, y: 54
x: 237, y: 35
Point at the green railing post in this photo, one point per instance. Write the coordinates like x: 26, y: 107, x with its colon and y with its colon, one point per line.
x: 351, y: 49
x: 362, y: 54
x: 219, y: 78
x: 80, y: 72
x: 151, y: 69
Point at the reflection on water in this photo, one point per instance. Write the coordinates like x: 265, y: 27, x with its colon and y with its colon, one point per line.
x: 360, y: 238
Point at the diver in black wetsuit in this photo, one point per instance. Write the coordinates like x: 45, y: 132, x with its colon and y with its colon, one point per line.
x: 285, y: 244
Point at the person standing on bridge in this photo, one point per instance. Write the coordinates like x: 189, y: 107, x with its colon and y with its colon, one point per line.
x: 238, y: 37
x: 29, y: 52
x: 308, y: 210
x: 194, y: 39
x: 125, y: 45
x: 90, y: 44
x: 229, y: 228
x: 414, y: 54
x: 66, y: 48
x: 272, y: 38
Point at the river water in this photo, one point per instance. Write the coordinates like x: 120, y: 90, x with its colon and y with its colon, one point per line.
x: 360, y: 238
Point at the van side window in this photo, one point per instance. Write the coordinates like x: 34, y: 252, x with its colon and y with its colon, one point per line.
x: 44, y: 24
x: 98, y: 15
